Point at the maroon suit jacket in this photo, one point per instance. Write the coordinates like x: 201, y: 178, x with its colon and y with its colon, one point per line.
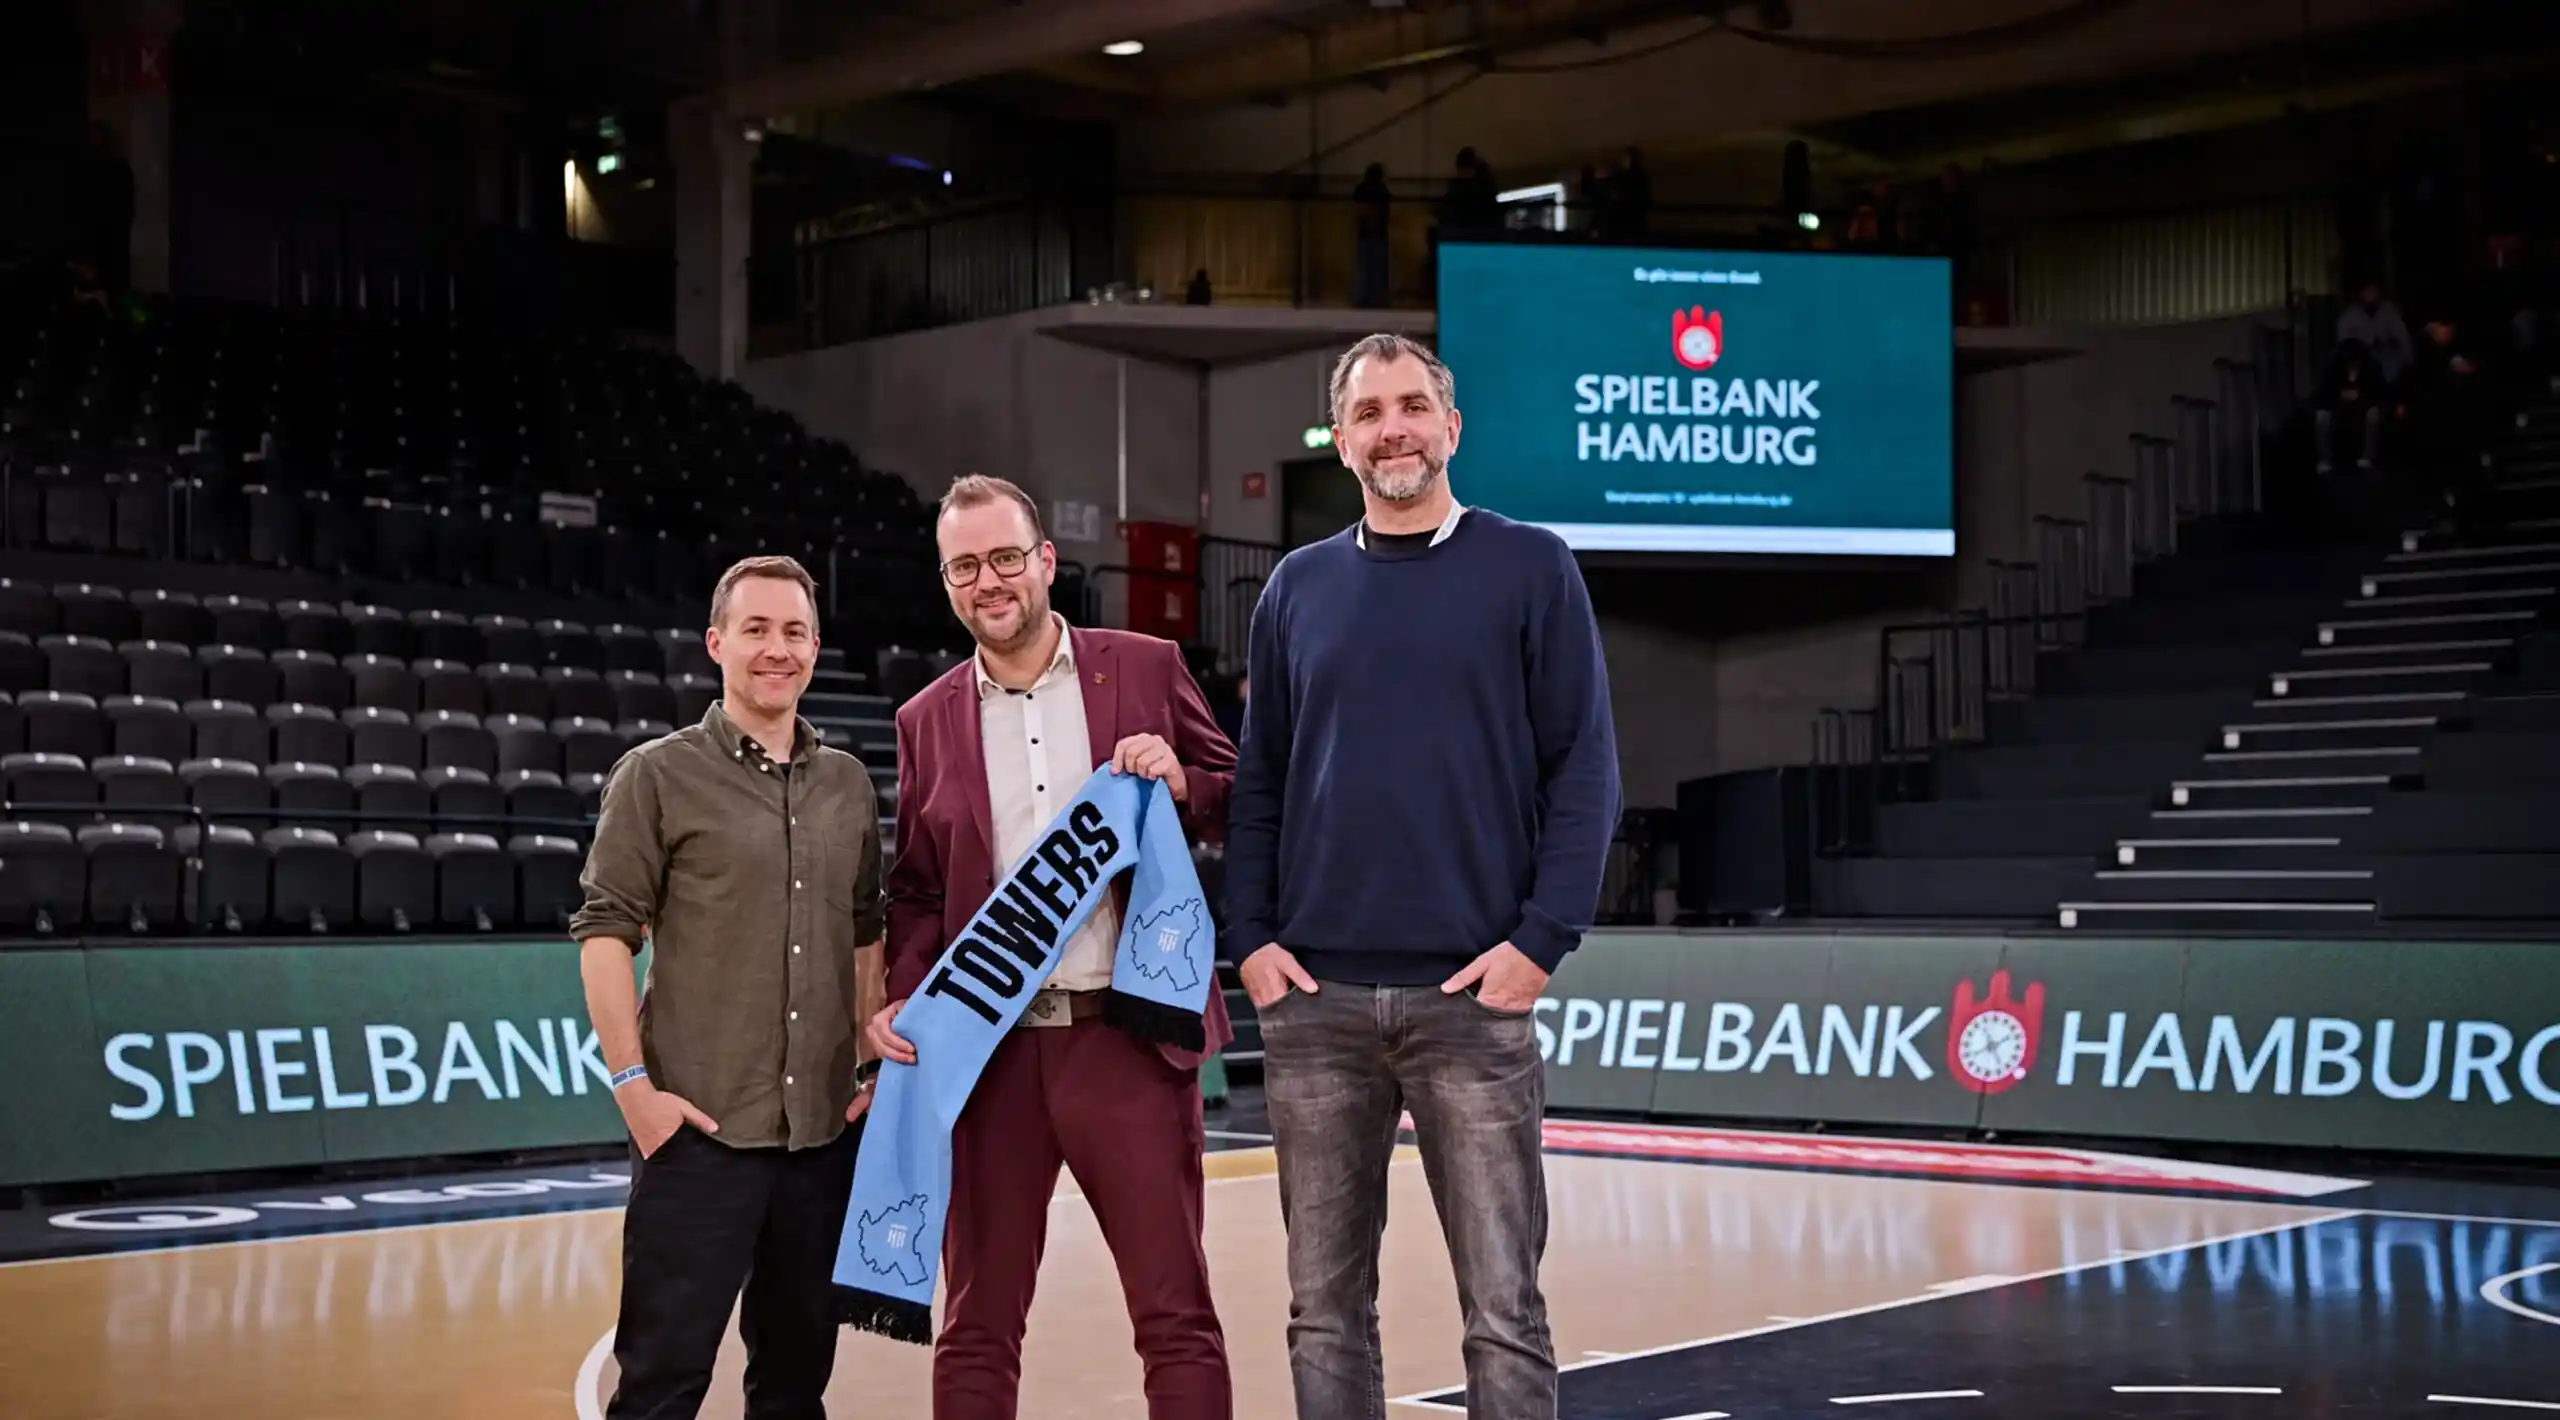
x: 946, y: 858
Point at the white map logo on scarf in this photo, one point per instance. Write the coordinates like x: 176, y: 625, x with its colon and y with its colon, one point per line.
x: 898, y: 1230
x: 1160, y: 944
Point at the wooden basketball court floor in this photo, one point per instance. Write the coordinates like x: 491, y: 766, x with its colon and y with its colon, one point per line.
x: 1690, y: 1273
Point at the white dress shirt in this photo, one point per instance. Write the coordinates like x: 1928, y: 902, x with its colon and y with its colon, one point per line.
x: 1038, y: 754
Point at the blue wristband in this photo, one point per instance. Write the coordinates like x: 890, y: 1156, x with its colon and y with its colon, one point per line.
x: 624, y: 1077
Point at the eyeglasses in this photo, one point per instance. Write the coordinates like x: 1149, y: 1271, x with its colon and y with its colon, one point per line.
x: 1008, y: 561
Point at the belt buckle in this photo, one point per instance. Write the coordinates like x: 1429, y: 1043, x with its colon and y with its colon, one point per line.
x: 1049, y: 1008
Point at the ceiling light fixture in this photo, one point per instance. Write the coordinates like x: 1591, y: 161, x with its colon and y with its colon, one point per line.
x: 1123, y: 48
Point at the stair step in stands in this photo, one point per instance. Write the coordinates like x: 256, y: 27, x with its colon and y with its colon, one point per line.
x: 2207, y: 850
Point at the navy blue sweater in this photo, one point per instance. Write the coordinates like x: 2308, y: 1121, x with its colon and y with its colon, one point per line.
x: 1428, y: 765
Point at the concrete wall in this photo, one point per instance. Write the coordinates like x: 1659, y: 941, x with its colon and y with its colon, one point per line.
x: 1711, y: 670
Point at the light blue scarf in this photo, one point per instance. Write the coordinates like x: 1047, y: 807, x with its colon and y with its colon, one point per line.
x: 1161, y: 974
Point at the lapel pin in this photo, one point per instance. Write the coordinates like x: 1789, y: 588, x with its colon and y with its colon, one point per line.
x: 1097, y: 677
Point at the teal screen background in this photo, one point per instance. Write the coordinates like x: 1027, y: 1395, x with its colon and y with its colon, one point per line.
x: 1518, y: 324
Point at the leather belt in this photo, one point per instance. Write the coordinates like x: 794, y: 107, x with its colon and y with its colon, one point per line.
x: 1051, y: 1007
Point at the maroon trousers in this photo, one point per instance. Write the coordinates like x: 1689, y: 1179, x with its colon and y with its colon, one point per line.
x: 1117, y: 1113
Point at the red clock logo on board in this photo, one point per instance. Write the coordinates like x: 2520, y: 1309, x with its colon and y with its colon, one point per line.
x: 1991, y: 1044
x: 1697, y: 337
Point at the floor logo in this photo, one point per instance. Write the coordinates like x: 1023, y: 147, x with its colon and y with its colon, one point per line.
x: 1991, y: 1044
x: 1697, y: 337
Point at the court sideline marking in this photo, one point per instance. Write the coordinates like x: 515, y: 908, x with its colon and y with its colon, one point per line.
x: 2334, y: 1215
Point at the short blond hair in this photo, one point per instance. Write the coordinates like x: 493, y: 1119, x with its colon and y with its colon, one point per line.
x: 779, y: 569
x: 976, y: 490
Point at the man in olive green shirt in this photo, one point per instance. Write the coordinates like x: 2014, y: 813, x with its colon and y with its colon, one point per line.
x: 748, y: 855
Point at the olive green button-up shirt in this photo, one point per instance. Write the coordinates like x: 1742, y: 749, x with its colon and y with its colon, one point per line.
x: 754, y: 883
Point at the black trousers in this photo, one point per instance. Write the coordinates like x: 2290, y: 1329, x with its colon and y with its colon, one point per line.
x: 704, y: 1222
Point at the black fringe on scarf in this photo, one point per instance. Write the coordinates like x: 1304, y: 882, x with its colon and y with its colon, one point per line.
x: 1154, y: 1020
x: 892, y: 1317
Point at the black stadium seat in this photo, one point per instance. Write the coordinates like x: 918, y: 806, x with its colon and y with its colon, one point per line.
x: 391, y: 789
x: 588, y: 746
x: 383, y: 736
x: 58, y: 722
x: 315, y: 626
x: 640, y: 695
x: 508, y: 639
x: 231, y: 790
x: 49, y: 788
x: 244, y: 621
x: 313, y: 678
x: 629, y: 648
x: 240, y: 673
x: 171, y: 616
x: 133, y: 878
x: 311, y: 880
x: 83, y: 665
x: 226, y: 878
x: 379, y: 631
x: 514, y: 690
x: 567, y: 643
x: 28, y: 609
x: 446, y: 635
x: 22, y: 666
x: 165, y: 669
x: 468, y: 794
x: 140, y: 789
x: 102, y: 612
x: 589, y: 791
x: 456, y: 739
x: 475, y: 882
x: 46, y: 885
x: 227, y: 729
x: 448, y: 685
x: 395, y: 882
x: 13, y: 730
x: 695, y: 695
x: 547, y: 869
x: 538, y: 799
x: 524, y: 742
x: 308, y: 732
x: 386, y: 681
x: 311, y: 794
x: 576, y: 692
x: 148, y: 726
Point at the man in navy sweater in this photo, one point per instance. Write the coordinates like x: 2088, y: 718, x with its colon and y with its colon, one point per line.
x: 1423, y: 802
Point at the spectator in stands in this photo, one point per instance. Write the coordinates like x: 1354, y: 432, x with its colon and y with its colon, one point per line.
x: 1370, y: 202
x: 1423, y: 807
x: 2375, y: 323
x: 2353, y: 392
x: 987, y: 757
x: 748, y: 854
x: 2454, y: 411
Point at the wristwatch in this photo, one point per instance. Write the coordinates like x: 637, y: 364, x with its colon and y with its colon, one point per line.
x: 865, y: 1072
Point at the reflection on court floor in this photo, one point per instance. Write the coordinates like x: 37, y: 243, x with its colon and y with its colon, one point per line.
x: 1679, y: 1287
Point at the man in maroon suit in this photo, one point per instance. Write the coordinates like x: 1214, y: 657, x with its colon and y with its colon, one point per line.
x: 987, y: 755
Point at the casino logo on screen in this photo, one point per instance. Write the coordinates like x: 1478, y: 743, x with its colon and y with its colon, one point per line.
x: 1991, y: 1044
x: 1697, y: 337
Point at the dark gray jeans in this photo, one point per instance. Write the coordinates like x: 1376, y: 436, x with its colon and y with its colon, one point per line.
x: 1340, y: 1068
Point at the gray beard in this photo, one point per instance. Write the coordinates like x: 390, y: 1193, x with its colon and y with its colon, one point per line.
x: 1403, y: 487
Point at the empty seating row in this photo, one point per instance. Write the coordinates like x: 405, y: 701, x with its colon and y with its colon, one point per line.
x: 151, y: 614
x: 81, y: 665
x: 50, y: 722
x: 138, y: 878
x: 56, y: 788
